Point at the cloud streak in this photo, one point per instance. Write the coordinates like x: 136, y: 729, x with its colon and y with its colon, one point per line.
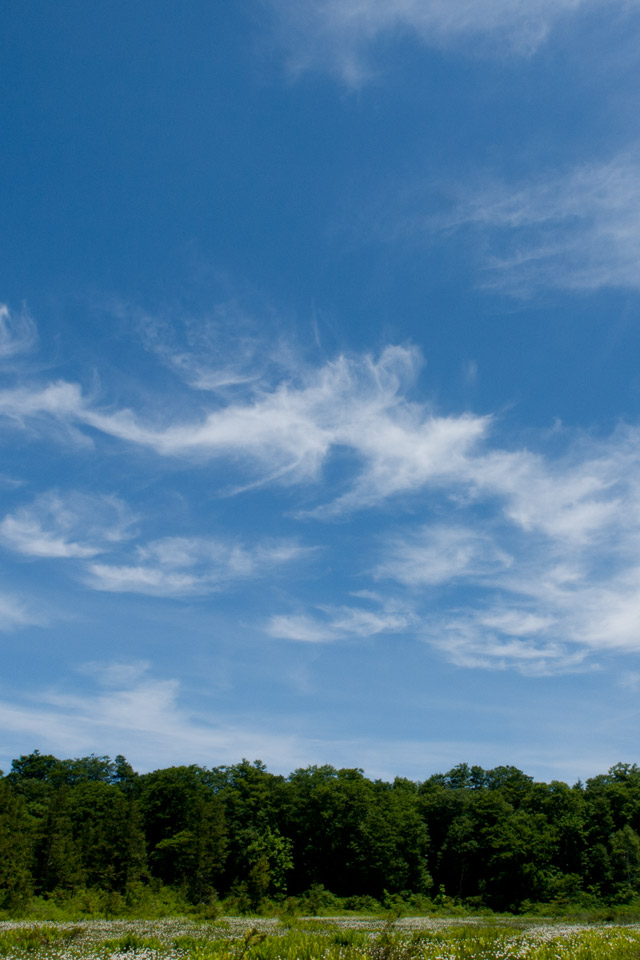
x: 549, y: 579
x: 183, y: 566
x: 223, y: 352
x: 545, y: 620
x: 289, y: 432
x: 15, y: 613
x: 129, y: 711
x: 18, y: 333
x: 147, y: 720
x: 575, y: 230
x: 69, y: 525
x: 533, y: 555
x: 343, y: 37
x: 328, y: 624
x: 440, y: 554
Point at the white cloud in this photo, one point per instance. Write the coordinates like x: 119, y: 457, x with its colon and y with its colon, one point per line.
x: 288, y: 433
x: 146, y: 720
x: 153, y: 723
x: 576, y: 230
x: 559, y: 605
x: 341, y: 35
x: 221, y: 351
x: 115, y: 673
x: 554, y: 532
x: 14, y: 613
x: 404, y: 450
x: 153, y: 581
x: 18, y: 332
x: 66, y: 525
x: 61, y: 400
x: 548, y: 579
x: 302, y: 628
x: 341, y: 623
x: 537, y: 624
x: 438, y: 554
x: 469, y: 642
x: 400, y: 447
x: 183, y: 566
x: 599, y: 613
x: 630, y: 680
x: 571, y: 498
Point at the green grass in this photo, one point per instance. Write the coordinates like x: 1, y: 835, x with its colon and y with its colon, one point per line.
x: 318, y: 939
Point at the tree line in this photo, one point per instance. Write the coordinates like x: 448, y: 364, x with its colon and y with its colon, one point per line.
x: 493, y: 838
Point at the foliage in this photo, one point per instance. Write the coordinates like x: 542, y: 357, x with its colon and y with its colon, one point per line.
x: 90, y: 836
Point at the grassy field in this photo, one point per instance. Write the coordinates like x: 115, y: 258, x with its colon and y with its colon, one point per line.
x: 318, y: 939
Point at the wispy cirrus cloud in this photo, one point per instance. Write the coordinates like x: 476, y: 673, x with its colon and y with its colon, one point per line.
x: 578, y: 229
x: 328, y: 623
x: 222, y: 351
x: 543, y: 620
x: 18, y: 332
x: 439, y: 554
x: 60, y: 400
x: 474, y: 642
x: 548, y: 580
x: 400, y: 446
x: 575, y: 497
x: 152, y: 721
x: 288, y: 432
x: 145, y: 718
x: 555, y: 530
x: 184, y: 566
x: 71, y: 525
x: 342, y: 37
x: 15, y: 613
x: 67, y: 525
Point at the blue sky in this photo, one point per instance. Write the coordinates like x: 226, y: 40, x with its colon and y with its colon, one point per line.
x: 319, y: 384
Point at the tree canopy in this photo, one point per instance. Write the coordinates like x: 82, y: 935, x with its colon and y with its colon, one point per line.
x: 492, y: 837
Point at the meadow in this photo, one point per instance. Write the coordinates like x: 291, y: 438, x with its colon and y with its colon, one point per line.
x: 318, y: 939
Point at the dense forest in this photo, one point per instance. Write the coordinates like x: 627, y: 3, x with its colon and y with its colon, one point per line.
x: 491, y: 838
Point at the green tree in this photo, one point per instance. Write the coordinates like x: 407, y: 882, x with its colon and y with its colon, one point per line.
x: 625, y: 860
x: 185, y: 828
x: 58, y: 856
x: 269, y: 858
x: 108, y: 833
x: 16, y: 849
